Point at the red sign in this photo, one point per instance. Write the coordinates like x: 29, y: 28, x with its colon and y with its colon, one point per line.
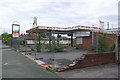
x: 15, y: 32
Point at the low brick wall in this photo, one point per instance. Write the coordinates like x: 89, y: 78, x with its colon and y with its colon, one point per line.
x: 90, y: 59
x: 93, y: 59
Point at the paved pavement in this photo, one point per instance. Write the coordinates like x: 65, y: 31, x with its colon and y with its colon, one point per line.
x: 101, y: 71
x: 14, y: 65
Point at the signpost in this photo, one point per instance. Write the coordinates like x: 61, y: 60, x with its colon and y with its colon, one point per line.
x: 15, y: 32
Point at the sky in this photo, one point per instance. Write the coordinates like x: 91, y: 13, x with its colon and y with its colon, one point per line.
x: 62, y: 13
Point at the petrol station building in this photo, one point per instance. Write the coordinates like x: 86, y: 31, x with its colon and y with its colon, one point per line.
x: 85, y: 37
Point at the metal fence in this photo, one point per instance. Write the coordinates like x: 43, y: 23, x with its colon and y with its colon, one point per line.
x: 61, y: 58
x: 15, y: 43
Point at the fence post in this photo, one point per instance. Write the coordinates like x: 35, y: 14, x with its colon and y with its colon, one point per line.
x: 35, y: 45
x: 116, y: 50
x: 92, y: 38
x: 119, y: 48
x: 39, y: 37
x: 25, y: 44
x: 53, y: 50
x: 97, y: 43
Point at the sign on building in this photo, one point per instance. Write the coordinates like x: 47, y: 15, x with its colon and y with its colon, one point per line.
x: 81, y: 33
x: 101, y: 24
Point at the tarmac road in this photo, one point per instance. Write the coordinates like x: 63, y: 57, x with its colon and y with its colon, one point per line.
x: 14, y: 65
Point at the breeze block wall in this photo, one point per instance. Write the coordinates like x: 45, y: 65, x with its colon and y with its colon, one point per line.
x: 93, y: 59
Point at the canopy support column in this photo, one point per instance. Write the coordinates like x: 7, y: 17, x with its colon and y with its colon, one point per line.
x: 39, y: 37
x: 72, y: 40
x: 58, y: 39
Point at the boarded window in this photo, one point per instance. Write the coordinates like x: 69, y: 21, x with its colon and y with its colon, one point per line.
x: 79, y: 40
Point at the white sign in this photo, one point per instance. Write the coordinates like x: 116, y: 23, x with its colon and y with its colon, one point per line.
x: 101, y: 24
x: 15, y: 30
x: 81, y: 33
x: 15, y: 34
x: 30, y: 42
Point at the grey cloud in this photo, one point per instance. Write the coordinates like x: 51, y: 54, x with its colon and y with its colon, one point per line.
x: 54, y: 13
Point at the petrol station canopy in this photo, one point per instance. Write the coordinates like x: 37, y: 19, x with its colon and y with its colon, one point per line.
x: 59, y: 30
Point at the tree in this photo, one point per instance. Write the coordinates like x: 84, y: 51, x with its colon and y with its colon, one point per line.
x: 6, y: 36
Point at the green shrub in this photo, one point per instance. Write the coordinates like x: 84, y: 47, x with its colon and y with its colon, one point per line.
x: 6, y: 36
x: 94, y: 48
x: 9, y: 38
x: 38, y: 47
x: 23, y: 42
x: 49, y: 48
x: 102, y: 44
x: 28, y: 46
x: 65, y: 46
x: 32, y: 49
x: 112, y: 47
x: 59, y: 48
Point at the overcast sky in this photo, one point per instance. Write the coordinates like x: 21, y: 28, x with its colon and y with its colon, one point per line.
x: 53, y: 13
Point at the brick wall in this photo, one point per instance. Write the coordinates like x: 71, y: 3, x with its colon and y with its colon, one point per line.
x: 93, y: 59
x: 87, y: 41
x: 109, y: 41
x: 90, y: 59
